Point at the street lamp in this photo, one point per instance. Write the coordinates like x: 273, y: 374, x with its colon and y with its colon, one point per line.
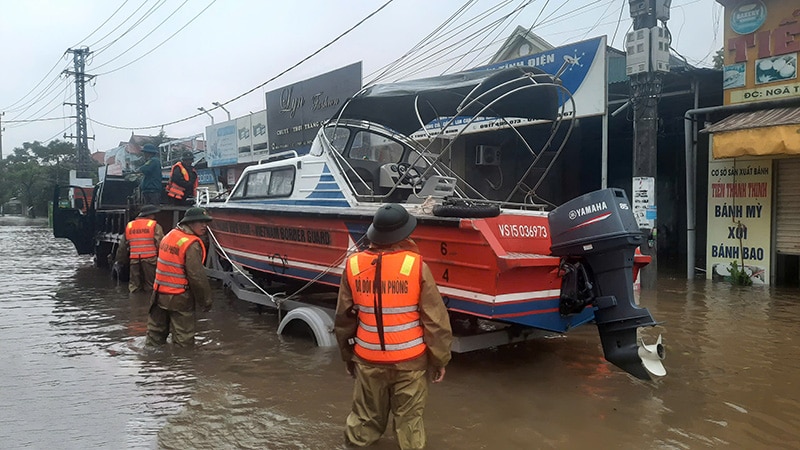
x: 209, y: 114
x: 219, y: 105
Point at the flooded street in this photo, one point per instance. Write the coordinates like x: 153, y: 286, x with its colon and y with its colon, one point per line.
x: 75, y: 373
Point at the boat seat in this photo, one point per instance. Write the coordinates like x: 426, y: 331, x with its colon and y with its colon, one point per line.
x: 435, y: 186
x: 366, y: 175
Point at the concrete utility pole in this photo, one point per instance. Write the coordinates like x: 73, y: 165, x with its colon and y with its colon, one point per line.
x: 81, y: 136
x: 647, y: 48
x: 1, y: 133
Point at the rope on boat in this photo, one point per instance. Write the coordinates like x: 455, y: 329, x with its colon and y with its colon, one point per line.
x: 327, y: 270
x: 274, y: 298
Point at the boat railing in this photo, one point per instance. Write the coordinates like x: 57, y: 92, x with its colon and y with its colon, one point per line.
x: 345, y: 167
x: 204, y: 196
x: 279, y: 156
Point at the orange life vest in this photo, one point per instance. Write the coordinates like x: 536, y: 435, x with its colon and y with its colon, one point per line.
x: 141, y: 236
x: 171, y: 266
x: 389, y: 329
x: 175, y: 190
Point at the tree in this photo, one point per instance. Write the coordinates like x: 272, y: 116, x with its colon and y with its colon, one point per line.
x: 32, y: 171
x: 719, y: 58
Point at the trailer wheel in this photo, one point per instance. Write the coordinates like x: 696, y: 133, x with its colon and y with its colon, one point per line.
x: 309, y: 321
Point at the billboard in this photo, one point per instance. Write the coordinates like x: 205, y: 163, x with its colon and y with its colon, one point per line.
x: 295, y: 112
x: 244, y: 135
x: 739, y: 218
x: 584, y: 76
x: 761, y: 51
x: 258, y: 130
x: 222, y: 144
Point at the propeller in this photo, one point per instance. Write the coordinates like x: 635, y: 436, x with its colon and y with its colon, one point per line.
x: 651, y: 356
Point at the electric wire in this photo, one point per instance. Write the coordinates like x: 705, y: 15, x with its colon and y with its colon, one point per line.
x: 102, y: 24
x: 56, y: 135
x: 28, y: 121
x: 41, y: 93
x: 120, y: 25
x: 619, y: 20
x: 600, y: 18
x: 433, y: 51
x: 547, y: 21
x: 433, y: 58
x: 138, y: 22
x: 11, y: 108
x: 712, y: 47
x: 290, y: 68
x: 552, y: 19
x: 45, y: 92
x: 43, y: 119
x: 497, y: 33
x: 388, y: 67
x: 568, y: 15
x: 46, y: 104
x: 148, y: 35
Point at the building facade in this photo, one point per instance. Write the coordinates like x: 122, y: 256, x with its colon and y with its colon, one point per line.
x: 753, y: 216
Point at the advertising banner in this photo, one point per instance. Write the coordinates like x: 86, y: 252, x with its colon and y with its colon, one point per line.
x: 222, y: 144
x: 295, y: 112
x: 761, y: 51
x: 584, y: 76
x: 244, y: 136
x: 258, y: 129
x: 739, y: 218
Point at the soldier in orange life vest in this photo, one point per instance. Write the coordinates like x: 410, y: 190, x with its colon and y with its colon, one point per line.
x: 181, y: 285
x: 182, y: 180
x: 391, y: 325
x: 138, y: 248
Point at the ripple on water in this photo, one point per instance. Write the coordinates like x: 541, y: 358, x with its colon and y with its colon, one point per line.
x: 76, y: 374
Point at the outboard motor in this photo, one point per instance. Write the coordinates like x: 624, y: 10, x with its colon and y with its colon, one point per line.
x: 597, y: 235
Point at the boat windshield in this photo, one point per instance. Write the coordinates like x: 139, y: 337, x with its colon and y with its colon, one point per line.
x: 337, y: 136
x: 369, y: 146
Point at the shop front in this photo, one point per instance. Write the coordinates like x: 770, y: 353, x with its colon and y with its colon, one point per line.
x: 754, y: 167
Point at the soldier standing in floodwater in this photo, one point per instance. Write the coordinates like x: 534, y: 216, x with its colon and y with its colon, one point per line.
x: 181, y: 284
x: 138, y: 248
x: 391, y: 325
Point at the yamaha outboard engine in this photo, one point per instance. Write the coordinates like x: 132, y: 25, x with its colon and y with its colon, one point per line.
x: 597, y: 235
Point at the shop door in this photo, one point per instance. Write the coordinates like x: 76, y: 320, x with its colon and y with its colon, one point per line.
x: 787, y: 222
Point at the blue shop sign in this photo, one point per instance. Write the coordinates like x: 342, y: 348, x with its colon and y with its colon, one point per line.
x: 748, y: 17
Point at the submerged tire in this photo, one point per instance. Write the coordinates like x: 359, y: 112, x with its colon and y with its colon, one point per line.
x: 466, y: 211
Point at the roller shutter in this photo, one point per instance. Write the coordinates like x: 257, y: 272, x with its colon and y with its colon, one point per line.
x: 787, y: 222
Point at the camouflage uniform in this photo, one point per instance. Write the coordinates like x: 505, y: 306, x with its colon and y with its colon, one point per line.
x: 399, y: 390
x: 176, y: 313
x: 142, y: 272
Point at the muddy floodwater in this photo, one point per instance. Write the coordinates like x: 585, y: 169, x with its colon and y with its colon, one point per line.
x: 74, y: 373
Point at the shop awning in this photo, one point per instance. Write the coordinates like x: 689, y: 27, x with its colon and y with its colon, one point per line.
x: 758, y: 133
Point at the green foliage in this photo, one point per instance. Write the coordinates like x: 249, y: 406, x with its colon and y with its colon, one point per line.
x: 719, y: 59
x: 31, y: 172
x: 739, y: 276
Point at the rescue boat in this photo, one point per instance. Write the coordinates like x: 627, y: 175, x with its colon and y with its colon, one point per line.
x: 502, y: 258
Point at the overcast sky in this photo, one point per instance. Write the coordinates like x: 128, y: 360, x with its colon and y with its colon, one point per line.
x: 157, y: 61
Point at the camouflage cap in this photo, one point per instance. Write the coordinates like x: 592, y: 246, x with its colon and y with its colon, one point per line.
x: 150, y: 148
x: 149, y: 210
x: 196, y: 215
